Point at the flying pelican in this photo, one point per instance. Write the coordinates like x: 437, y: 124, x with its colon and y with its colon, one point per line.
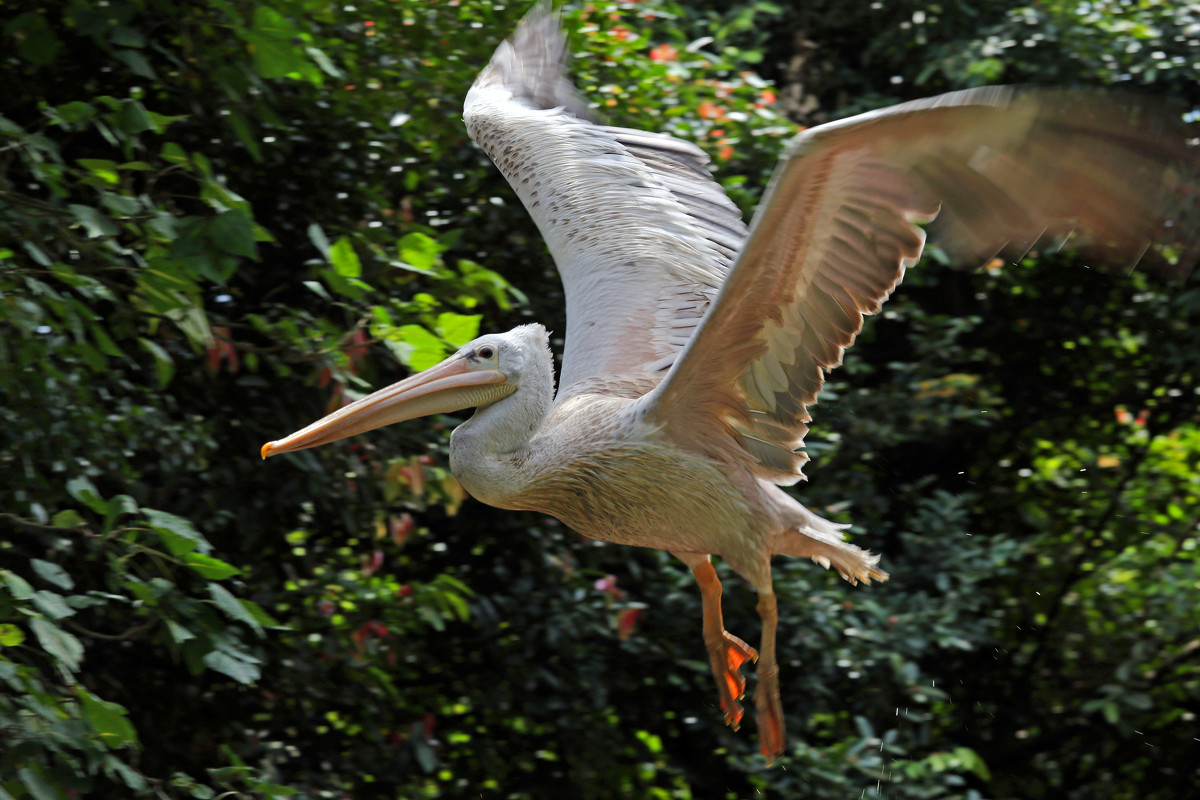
x: 695, y: 345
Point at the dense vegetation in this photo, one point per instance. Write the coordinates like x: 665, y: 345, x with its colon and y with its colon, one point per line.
x: 220, y: 219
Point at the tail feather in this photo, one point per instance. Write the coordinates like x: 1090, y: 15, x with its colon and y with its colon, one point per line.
x: 822, y: 541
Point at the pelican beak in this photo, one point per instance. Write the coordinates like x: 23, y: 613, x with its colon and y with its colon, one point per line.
x: 452, y: 385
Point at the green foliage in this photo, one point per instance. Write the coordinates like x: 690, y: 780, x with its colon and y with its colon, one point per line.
x: 218, y: 221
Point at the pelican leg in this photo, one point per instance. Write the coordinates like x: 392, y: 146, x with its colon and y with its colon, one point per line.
x: 726, y: 652
x: 771, y: 736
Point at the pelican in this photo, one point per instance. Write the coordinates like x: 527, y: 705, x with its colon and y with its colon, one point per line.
x: 695, y: 344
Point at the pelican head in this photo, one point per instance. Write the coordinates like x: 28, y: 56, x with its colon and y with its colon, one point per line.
x: 481, y: 373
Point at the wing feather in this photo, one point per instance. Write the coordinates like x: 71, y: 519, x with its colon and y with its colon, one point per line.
x: 642, y: 235
x: 835, y: 233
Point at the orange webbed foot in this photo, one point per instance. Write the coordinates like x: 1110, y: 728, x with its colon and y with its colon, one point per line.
x: 727, y: 656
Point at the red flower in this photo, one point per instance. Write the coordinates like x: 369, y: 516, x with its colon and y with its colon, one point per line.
x: 664, y: 52
x: 400, y: 527
x: 372, y: 563
x: 627, y: 621
x: 222, y: 349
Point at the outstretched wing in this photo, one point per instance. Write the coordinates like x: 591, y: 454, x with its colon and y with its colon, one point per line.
x: 642, y: 235
x: 835, y: 233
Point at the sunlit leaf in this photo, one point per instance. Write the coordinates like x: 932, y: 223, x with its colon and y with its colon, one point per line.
x: 458, y: 329
x: 344, y: 259
x: 10, y: 635
x: 208, y: 567
x: 422, y: 348
x: 419, y: 251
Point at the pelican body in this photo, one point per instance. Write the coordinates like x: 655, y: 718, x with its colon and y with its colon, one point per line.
x: 695, y: 344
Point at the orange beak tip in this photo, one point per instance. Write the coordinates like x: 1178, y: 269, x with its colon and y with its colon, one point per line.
x: 266, y: 450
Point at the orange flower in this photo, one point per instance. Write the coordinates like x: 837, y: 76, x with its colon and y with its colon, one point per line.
x: 709, y: 110
x: 768, y: 96
x: 664, y: 52
x: 619, y: 33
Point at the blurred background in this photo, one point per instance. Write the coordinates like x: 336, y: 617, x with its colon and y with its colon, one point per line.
x: 220, y: 220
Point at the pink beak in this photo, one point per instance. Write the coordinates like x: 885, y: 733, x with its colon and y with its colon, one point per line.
x: 452, y: 385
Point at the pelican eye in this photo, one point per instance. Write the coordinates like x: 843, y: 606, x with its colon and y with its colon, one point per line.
x: 486, y: 352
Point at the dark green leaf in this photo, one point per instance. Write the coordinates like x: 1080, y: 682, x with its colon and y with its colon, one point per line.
x: 136, y: 62
x: 243, y: 670
x: 164, y: 366
x: 177, y: 534
x: 319, y: 240
x: 94, y: 221
x: 36, y: 41
x: 179, y: 634
x: 82, y: 490
x: 131, y: 118
x: 67, y: 519
x: 18, y: 587
x: 67, y: 649
x: 107, y: 719
x: 232, y: 606
x: 52, y: 573
x: 123, y: 36
x: 76, y: 111
x: 233, y: 232
x: 51, y: 604
x: 246, y: 136
x: 39, y: 785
